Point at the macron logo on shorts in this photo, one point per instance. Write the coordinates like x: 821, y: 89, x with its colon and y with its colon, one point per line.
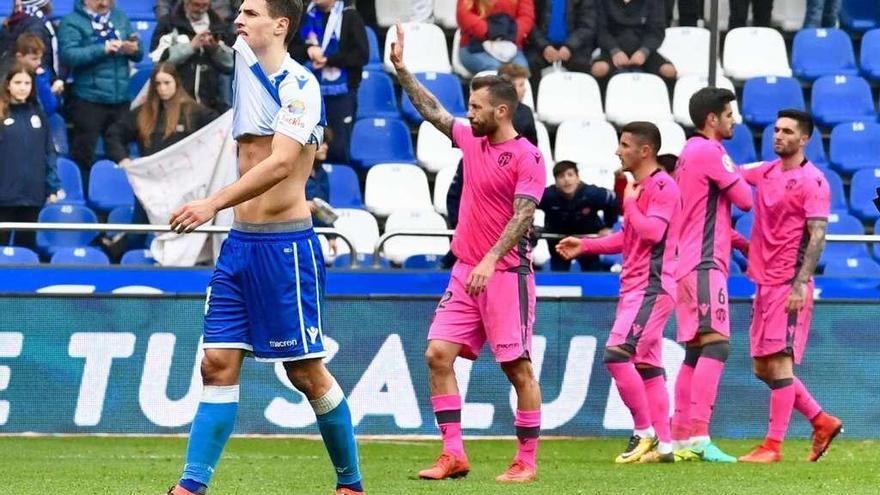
x: 282, y: 343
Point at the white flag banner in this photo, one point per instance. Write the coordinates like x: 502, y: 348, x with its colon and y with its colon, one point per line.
x: 192, y: 169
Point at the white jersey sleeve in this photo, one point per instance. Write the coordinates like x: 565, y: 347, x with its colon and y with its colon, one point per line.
x: 301, y: 115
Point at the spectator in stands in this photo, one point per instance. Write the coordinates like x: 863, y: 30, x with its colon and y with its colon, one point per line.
x: 689, y: 12
x: 493, y: 32
x: 762, y: 11
x: 630, y: 32
x: 29, y: 51
x: 332, y: 42
x: 226, y: 9
x: 198, y: 42
x: 523, y: 118
x: 28, y: 173
x: 822, y: 13
x: 564, y: 35
x: 97, y: 43
x: 573, y: 208
x: 32, y: 16
x: 318, y: 184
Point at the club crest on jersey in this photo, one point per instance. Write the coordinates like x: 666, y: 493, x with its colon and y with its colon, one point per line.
x: 728, y: 163
x: 504, y: 158
x: 790, y: 184
x: 720, y: 315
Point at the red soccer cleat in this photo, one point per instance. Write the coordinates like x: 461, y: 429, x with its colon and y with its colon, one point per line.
x: 347, y: 491
x: 446, y: 466
x: 518, y: 472
x: 179, y: 490
x: 762, y: 455
x: 825, y: 428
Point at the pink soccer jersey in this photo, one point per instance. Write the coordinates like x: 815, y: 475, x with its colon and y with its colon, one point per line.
x: 785, y: 201
x: 649, y: 266
x: 703, y: 172
x: 494, y: 174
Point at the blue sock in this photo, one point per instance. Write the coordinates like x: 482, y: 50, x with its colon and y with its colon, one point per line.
x: 210, y: 430
x: 334, y: 421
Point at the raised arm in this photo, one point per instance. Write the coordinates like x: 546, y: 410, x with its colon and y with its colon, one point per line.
x: 425, y: 103
x: 816, y: 228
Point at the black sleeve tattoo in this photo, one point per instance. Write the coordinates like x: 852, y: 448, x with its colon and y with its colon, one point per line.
x: 426, y: 103
x: 517, y: 227
x: 816, y: 229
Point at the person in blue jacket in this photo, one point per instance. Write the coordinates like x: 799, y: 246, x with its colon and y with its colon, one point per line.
x: 28, y: 172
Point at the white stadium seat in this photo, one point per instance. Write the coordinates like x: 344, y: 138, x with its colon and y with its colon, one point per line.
x: 393, y: 186
x: 636, y: 96
x: 599, y: 174
x: 390, y: 11
x: 457, y: 67
x: 442, y: 181
x: 686, y: 86
x: 425, y: 48
x: 755, y: 52
x: 434, y: 150
x: 358, y: 225
x: 400, y: 248
x: 789, y: 15
x: 569, y: 95
x: 672, y: 138
x: 545, y: 149
x: 445, y: 13
x: 586, y: 141
x: 688, y: 50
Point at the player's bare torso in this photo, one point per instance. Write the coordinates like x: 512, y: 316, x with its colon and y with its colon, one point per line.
x: 286, y: 200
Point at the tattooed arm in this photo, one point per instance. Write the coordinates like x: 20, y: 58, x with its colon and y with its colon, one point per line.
x: 426, y: 103
x: 816, y: 229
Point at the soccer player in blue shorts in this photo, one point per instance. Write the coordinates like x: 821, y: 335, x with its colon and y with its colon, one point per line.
x: 265, y: 295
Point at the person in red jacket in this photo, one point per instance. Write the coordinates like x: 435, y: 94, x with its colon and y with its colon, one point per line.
x: 493, y: 32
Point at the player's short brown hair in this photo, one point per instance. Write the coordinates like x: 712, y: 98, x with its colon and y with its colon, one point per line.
x: 29, y: 44
x: 645, y: 133
x: 501, y: 91
x: 291, y: 9
x: 803, y: 119
x: 708, y: 101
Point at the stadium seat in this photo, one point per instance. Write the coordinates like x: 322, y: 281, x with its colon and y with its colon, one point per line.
x: 740, y: 47
x: 390, y: 11
x: 862, y: 191
x: 137, y: 82
x: 744, y: 224
x: 345, y: 187
x: 815, y: 149
x: 855, y: 145
x: 434, y: 150
x: 374, y: 63
x: 764, y: 97
x: 457, y: 66
x: 442, y: 181
x: 686, y: 86
x: 10, y: 255
x: 545, y: 148
x: 688, y: 50
x: 109, y: 187
x: 79, y: 256
x: 838, y: 197
x: 445, y: 87
x: 138, y: 257
x: 859, y: 15
x: 598, y: 174
x: 380, y: 141
x: 71, y: 182
x: 672, y: 138
x: 49, y: 241
x: 423, y: 262
x: 61, y: 8
x: 137, y: 10
x: 145, y: 28
x: 360, y: 227
x: 569, y: 95
x: 586, y: 141
x: 860, y: 267
x: 528, y: 98
x: 838, y: 99
x: 869, y: 55
x: 741, y: 147
x: 398, y: 249
x: 365, y: 260
x: 58, y: 128
x: 445, y: 13
x: 636, y: 96
x: 822, y: 52
x: 789, y: 15
x: 425, y: 48
x: 843, y: 224
x: 392, y: 187
x: 376, y: 98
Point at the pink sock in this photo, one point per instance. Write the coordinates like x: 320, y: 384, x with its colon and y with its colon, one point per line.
x: 681, y: 421
x: 782, y: 395
x: 704, y: 390
x: 804, y: 402
x: 447, y: 410
x: 658, y: 398
x: 528, y: 428
x: 632, y: 391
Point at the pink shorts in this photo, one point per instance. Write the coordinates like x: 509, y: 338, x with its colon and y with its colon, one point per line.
x: 774, y: 330
x: 639, y: 324
x: 702, y: 305
x: 503, y: 315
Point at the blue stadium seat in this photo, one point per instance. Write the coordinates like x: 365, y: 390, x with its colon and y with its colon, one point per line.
x: 607, y: 260
x: 860, y: 267
x: 58, y: 128
x: 815, y: 150
x: 374, y: 63
x: 109, y: 187
x: 838, y: 99
x: 855, y: 145
x: 71, y: 182
x: 447, y: 89
x: 862, y: 191
x: 843, y: 224
x: 869, y: 55
x: 764, y: 97
x: 345, y: 187
x: 138, y: 257
x: 838, y: 197
x: 137, y: 10
x: 744, y: 224
x: 741, y: 147
x: 61, y: 8
x: 10, y: 255
x: 735, y: 269
x: 137, y: 81
x: 365, y: 260
x: 50, y: 241
x: 381, y: 141
x: 423, y: 262
x: 818, y: 52
x: 859, y: 15
x: 376, y: 97
x: 79, y: 256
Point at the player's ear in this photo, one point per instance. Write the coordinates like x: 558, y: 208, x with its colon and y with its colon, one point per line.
x: 283, y: 23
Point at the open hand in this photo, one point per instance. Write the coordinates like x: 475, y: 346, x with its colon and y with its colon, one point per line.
x: 191, y: 215
x: 569, y: 248
x: 397, y: 49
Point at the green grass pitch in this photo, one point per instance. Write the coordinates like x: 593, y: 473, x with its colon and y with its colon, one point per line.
x: 147, y: 466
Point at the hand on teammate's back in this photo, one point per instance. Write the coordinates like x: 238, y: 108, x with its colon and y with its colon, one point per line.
x: 397, y: 49
x: 569, y: 248
x: 191, y: 215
